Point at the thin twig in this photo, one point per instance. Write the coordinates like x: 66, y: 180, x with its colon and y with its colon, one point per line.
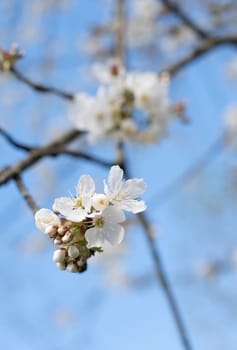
x: 199, y: 52
x: 163, y: 279
x: 40, y: 87
x: 25, y: 194
x: 160, y: 272
x: 194, y: 170
x: 35, y: 155
x: 82, y: 155
x: 120, y: 16
x: 13, y: 142
x: 177, y: 10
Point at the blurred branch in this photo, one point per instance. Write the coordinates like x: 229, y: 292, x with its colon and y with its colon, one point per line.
x: 37, y: 154
x: 160, y: 272
x: 120, y: 15
x: 199, y: 52
x: 194, y: 170
x: 13, y: 142
x: 177, y: 10
x: 25, y: 194
x: 40, y: 87
x: 82, y: 155
x: 163, y: 279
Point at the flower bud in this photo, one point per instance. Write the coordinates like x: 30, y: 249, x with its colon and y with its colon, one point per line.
x: 50, y: 230
x: 73, y: 252
x: 67, y: 237
x: 62, y: 230
x: 61, y: 266
x: 59, y: 255
x: 71, y: 267
x: 81, y: 262
x: 57, y: 241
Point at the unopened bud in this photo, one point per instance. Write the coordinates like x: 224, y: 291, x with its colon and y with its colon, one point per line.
x: 81, y: 262
x: 61, y: 266
x: 71, y: 267
x: 73, y: 252
x: 57, y: 241
x: 62, y: 230
x: 67, y: 237
x: 50, y: 230
x: 59, y: 255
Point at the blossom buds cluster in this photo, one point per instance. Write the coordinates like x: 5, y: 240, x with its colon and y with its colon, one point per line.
x: 132, y: 106
x: 80, y: 225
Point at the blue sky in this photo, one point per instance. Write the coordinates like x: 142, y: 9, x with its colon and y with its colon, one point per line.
x: 43, y: 308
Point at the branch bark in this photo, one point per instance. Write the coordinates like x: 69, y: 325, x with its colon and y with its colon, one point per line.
x: 199, y: 52
x: 40, y: 87
x: 178, y: 11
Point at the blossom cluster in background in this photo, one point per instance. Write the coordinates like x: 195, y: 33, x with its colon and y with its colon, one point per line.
x: 80, y: 225
x: 128, y: 106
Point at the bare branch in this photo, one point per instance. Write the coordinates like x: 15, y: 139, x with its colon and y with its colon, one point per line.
x: 35, y: 155
x: 120, y: 17
x: 39, y: 87
x: 193, y: 171
x: 163, y: 279
x: 82, y: 155
x: 25, y: 194
x: 13, y: 142
x: 199, y: 52
x: 174, y: 7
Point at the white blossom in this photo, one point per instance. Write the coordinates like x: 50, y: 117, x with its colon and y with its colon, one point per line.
x: 123, y: 193
x: 106, y: 228
x: 77, y: 208
x: 100, y: 201
x: 45, y: 219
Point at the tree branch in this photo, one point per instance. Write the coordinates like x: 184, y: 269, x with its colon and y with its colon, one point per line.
x: 195, y: 169
x: 37, y: 154
x: 13, y: 142
x: 163, y: 279
x: 25, y: 194
x: 174, y: 7
x: 199, y: 52
x: 39, y: 87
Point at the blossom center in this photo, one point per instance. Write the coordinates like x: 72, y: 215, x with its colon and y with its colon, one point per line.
x: 78, y: 202
x: 99, y: 222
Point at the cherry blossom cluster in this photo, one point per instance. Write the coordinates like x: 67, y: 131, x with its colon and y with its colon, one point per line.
x: 80, y: 225
x: 128, y: 106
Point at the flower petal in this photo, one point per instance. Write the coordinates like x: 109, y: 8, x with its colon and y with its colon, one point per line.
x: 113, y: 233
x: 66, y: 207
x: 115, y: 178
x: 86, y: 185
x: 134, y: 187
x: 132, y: 205
x: 44, y: 218
x: 94, y: 237
x: 113, y: 215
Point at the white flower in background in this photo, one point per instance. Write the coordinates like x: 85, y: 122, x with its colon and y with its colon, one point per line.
x: 142, y: 26
x: 45, y: 220
x: 231, y: 124
x: 106, y: 228
x: 108, y: 73
x: 150, y: 91
x: 128, y: 106
x: 77, y: 208
x: 123, y: 194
